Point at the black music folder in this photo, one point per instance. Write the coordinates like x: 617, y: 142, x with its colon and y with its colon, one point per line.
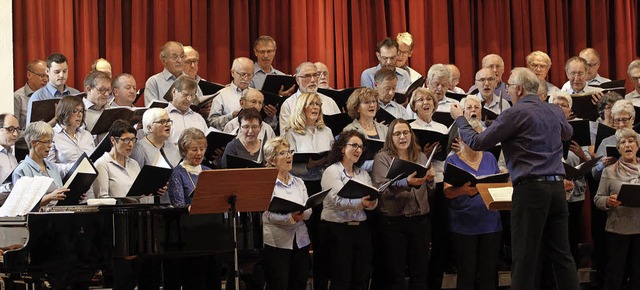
x: 581, y: 132
x: 612, y: 151
x: 372, y: 147
x: 209, y: 88
x: 283, y: 206
x: 274, y: 100
x: 457, y: 176
x: 150, y: 180
x: 456, y: 96
x: 443, y: 118
x: 400, y: 98
x: 103, y: 147
x: 488, y: 114
x: 339, y: 96
x: 612, y: 84
x: 218, y: 139
x: 299, y: 157
x: 78, y: 180
x: 206, y: 102
x: 427, y: 136
x: 384, y: 117
x: 602, y: 133
x: 573, y: 173
x: 583, y: 107
x: 629, y: 195
x: 273, y: 83
x: 337, y: 122
x: 109, y: 116
x: 404, y: 168
x: 355, y: 189
x: 239, y: 162
x: 139, y: 94
x: 43, y: 110
x: 158, y: 104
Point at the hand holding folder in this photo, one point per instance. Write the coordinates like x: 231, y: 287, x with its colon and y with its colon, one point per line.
x: 283, y: 206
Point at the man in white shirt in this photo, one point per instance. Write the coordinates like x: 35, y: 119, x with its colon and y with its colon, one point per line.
x: 634, y: 74
x: 455, y: 79
x: 226, y: 104
x: 97, y: 85
x: 576, y: 69
x: 124, y: 91
x: 307, y: 76
x: 438, y: 78
x: 36, y: 79
x: 385, y: 84
x: 323, y: 80
x: 486, y: 84
x: 179, y: 109
x: 252, y: 98
x: 405, y: 50
x: 191, y: 59
x: 592, y: 58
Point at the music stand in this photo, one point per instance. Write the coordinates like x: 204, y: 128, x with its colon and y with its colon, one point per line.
x: 233, y: 191
x: 483, y: 188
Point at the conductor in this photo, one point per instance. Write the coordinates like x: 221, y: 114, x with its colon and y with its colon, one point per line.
x: 531, y: 133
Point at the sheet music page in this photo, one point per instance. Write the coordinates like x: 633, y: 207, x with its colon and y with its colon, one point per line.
x: 161, y: 162
x: 501, y: 193
x: 84, y: 167
x: 26, y: 193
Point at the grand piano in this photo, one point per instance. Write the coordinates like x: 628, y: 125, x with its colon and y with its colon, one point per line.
x: 67, y: 245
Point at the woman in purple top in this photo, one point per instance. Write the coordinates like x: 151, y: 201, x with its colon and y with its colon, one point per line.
x: 475, y: 230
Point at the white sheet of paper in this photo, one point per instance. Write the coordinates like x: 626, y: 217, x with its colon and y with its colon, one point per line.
x: 501, y: 193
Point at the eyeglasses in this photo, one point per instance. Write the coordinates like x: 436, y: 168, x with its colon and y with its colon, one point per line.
x: 164, y: 122
x: 188, y: 95
x: 404, y: 53
x: 319, y: 104
x: 563, y: 105
x: 388, y: 58
x: 507, y: 85
x: 265, y: 51
x: 307, y: 76
x: 591, y: 65
x: 103, y: 91
x: 483, y: 80
x: 191, y: 61
x: 401, y: 133
x: 538, y: 65
x: 176, y: 57
x: 285, y: 153
x: 49, y: 142
x: 12, y: 129
x: 253, y: 127
x: 243, y: 75
x: 621, y: 120
x: 127, y: 140
x: 576, y: 74
x: 77, y: 111
x: 356, y: 146
x: 42, y: 76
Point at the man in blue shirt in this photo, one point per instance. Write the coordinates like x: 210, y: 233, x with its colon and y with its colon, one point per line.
x: 531, y: 133
x: 387, y: 54
x: 56, y: 88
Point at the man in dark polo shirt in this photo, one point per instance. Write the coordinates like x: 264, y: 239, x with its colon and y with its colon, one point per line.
x: 531, y: 133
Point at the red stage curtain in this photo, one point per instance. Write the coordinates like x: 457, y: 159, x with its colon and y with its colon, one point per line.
x: 341, y: 33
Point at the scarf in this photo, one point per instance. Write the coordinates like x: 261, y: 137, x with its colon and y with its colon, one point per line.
x: 627, y: 169
x: 195, y: 170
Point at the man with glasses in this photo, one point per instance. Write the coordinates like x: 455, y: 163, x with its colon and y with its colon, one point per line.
x: 36, y: 79
x: 532, y: 146
x: 307, y: 77
x: 540, y: 63
x: 226, y: 105
x: 405, y: 50
x: 173, y: 59
x: 179, y: 110
x: 486, y: 84
x: 191, y: 59
x: 634, y: 75
x: 264, y: 48
x: 97, y: 85
x: 387, y: 54
x: 576, y: 69
x: 495, y: 63
x: 56, y: 88
x: 323, y: 80
x: 9, y: 133
x: 592, y: 59
x: 252, y: 98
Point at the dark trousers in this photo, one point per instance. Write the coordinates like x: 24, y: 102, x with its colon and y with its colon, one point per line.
x: 351, y: 252
x: 406, y: 250
x: 575, y: 224
x: 539, y: 222
x: 623, y: 253
x: 441, y: 252
x: 319, y: 236
x: 477, y: 260
x: 191, y: 273
x: 286, y: 269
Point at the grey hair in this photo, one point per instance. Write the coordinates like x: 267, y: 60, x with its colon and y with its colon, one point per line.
x: 271, y: 146
x: 623, y: 106
x: 37, y: 130
x: 437, y: 71
x: 150, y: 116
x: 527, y: 79
x: 632, y: 65
x: 463, y: 102
x: 625, y: 133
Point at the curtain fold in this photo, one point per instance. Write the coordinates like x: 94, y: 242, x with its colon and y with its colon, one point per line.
x: 341, y: 33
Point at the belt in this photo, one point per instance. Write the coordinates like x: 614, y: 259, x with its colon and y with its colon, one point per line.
x: 529, y: 179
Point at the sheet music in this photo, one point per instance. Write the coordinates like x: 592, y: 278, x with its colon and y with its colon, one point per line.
x: 501, y: 193
x: 26, y: 194
x: 84, y: 167
x: 161, y: 161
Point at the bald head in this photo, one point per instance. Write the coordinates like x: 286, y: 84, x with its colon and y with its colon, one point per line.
x: 323, y: 80
x: 102, y: 65
x: 252, y: 98
x: 592, y: 57
x: 191, y: 58
x: 495, y: 63
x: 172, y: 57
x: 455, y: 76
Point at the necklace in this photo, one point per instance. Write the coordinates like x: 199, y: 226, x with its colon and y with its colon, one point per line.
x: 465, y: 158
x: 154, y: 145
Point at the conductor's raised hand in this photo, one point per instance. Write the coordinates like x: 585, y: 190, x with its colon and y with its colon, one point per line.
x: 456, y: 111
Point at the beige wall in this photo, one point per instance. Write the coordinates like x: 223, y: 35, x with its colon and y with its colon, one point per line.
x: 6, y: 57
